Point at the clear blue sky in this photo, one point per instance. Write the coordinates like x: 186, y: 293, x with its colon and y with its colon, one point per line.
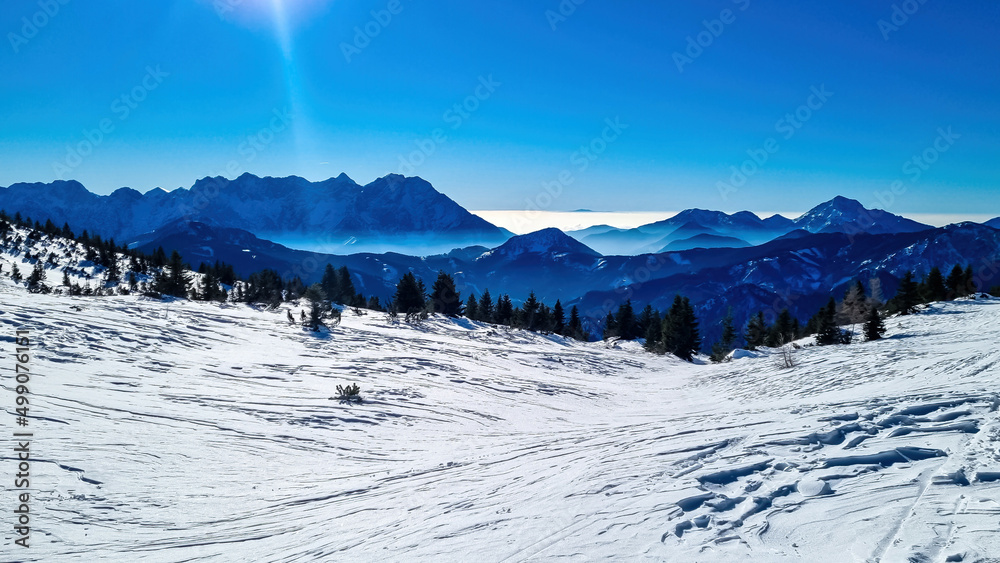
x: 226, y: 76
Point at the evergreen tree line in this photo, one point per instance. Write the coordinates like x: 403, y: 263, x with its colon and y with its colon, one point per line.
x: 413, y: 300
x: 856, y: 307
x: 961, y: 282
x: 674, y: 331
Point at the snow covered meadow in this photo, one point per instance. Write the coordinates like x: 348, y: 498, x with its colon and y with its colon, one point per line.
x: 179, y: 431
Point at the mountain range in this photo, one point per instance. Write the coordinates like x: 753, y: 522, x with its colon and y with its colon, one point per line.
x: 335, y: 213
x: 719, y: 260
x: 839, y: 215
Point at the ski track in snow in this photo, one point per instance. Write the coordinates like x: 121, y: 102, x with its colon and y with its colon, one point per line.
x: 176, y: 431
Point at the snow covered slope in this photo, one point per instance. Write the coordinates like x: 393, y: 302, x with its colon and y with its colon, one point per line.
x: 177, y: 431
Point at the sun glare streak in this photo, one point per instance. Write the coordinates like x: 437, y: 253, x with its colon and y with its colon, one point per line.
x: 292, y: 86
x: 281, y: 28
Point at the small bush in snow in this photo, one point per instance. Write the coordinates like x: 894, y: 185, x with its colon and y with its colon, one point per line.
x: 349, y: 393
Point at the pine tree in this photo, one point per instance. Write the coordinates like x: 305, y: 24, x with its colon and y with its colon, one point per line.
x: 114, y: 272
x: 409, y: 297
x: 36, y: 277
x: 669, y: 327
x: 969, y: 281
x: 345, y: 286
x: 781, y: 332
x: 159, y: 256
x: 654, y: 333
x: 558, y: 319
x: 907, y: 296
x: 295, y: 288
x: 472, y: 308
x: 543, y: 321
x: 529, y: 311
x: 625, y: 321
x: 485, y: 308
x: 210, y: 287
x: 756, y: 331
x: 517, y: 318
x: 504, y: 312
x: 935, y: 289
x: 178, y: 278
x: 66, y: 281
x: 692, y: 336
x: 956, y: 282
x: 172, y: 280
x: 854, y: 307
x: 828, y: 332
x: 681, y: 336
x: 724, y: 346
x: 874, y: 327
x: 330, y: 283
x: 574, y: 328
x: 610, y: 327
x: 444, y: 297
x: 317, y: 302
x: 226, y: 274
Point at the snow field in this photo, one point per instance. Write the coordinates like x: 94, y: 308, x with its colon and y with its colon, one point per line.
x: 179, y: 431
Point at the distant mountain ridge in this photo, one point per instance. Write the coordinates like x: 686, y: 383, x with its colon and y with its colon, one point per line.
x: 340, y: 216
x: 330, y: 210
x: 839, y: 215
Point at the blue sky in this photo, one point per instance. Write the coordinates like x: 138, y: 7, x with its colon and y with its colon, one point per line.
x: 492, y: 102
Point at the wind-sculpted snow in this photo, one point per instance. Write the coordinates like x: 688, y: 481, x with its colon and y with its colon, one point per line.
x: 176, y: 431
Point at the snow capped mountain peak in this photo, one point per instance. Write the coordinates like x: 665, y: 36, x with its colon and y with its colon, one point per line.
x: 839, y: 206
x: 546, y: 241
x: 842, y: 202
x: 843, y: 214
